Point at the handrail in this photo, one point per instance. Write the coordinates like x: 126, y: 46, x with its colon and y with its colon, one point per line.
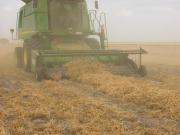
x: 101, y: 22
x: 104, y: 20
x: 46, y: 53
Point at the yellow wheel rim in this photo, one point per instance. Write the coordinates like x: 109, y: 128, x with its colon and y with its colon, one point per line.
x: 25, y: 56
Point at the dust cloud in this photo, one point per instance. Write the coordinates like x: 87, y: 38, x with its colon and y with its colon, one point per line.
x: 92, y: 101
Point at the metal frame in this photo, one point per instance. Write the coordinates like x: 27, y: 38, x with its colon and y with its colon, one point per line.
x: 46, y: 53
x: 39, y: 55
x: 40, y: 66
x: 98, y: 25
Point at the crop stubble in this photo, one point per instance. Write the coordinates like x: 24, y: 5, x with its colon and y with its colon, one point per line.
x: 116, y: 104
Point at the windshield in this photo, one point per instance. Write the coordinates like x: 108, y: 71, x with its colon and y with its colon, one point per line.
x: 65, y: 14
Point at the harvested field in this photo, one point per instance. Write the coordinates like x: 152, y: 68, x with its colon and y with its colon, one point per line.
x: 92, y: 102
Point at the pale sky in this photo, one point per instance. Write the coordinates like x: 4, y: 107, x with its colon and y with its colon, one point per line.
x: 128, y: 20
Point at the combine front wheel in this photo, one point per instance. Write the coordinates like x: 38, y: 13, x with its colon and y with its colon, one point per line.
x: 27, y: 56
x: 19, y: 57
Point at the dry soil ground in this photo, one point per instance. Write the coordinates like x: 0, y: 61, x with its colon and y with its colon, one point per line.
x: 93, y: 101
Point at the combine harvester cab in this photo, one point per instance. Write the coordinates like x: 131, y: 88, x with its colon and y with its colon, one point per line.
x: 57, y: 31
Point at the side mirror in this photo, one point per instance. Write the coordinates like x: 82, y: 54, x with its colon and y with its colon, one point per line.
x: 96, y: 4
x: 12, y: 32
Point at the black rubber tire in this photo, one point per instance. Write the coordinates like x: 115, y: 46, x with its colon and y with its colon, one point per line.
x: 19, y: 57
x: 142, y: 71
x: 93, y: 43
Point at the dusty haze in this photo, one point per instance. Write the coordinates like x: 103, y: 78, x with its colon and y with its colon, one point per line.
x: 128, y: 20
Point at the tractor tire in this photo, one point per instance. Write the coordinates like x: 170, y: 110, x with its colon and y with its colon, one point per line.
x: 27, y: 56
x: 19, y: 57
x: 142, y: 71
x: 28, y: 46
x: 93, y: 43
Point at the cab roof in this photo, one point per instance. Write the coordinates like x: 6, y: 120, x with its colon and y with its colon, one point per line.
x: 26, y: 1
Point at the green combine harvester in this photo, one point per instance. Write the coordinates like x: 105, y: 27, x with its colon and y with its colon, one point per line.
x: 57, y: 31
